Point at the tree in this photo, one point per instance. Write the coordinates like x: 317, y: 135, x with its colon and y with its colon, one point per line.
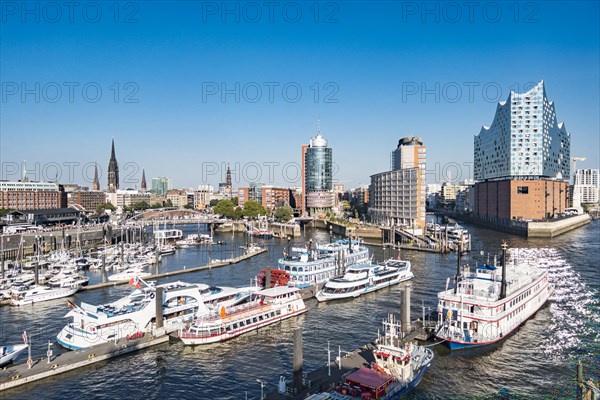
x: 225, y: 208
x: 284, y: 214
x: 168, y: 203
x: 213, y: 202
x: 100, y: 208
x: 189, y: 206
x: 234, y: 200
x: 252, y: 209
x: 238, y: 213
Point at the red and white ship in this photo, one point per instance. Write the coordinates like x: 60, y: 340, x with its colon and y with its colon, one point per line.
x: 265, y: 307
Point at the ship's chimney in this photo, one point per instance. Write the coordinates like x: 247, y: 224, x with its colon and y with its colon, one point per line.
x: 503, y: 261
x: 350, y: 244
x: 289, y: 248
x: 458, y: 266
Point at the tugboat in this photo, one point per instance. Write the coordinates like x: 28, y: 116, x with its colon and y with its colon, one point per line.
x: 489, y: 302
x: 398, y: 368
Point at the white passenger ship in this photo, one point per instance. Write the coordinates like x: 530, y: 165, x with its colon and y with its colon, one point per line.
x: 93, y: 325
x: 265, y: 307
x: 365, y: 278
x: 316, y: 266
x: 489, y: 302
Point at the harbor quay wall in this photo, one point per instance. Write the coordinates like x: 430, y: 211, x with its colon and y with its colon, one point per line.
x: 53, y: 240
x: 555, y: 228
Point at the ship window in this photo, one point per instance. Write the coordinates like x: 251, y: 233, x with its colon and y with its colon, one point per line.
x: 523, y: 189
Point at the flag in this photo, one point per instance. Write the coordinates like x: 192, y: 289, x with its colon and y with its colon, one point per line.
x: 135, y: 282
x: 25, y: 337
x: 71, y: 304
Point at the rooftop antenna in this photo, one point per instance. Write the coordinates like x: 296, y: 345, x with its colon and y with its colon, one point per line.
x: 318, y: 125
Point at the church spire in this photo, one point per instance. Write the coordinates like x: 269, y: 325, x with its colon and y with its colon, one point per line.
x: 96, y: 182
x: 143, y: 183
x: 113, y: 170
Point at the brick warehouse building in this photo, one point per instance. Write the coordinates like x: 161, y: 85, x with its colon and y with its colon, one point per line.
x: 522, y: 161
x: 504, y: 200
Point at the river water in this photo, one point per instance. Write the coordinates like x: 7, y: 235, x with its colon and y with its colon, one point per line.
x: 537, y: 361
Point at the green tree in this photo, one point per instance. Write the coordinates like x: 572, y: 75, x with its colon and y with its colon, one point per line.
x: 252, y: 209
x: 4, y: 211
x: 213, y: 202
x: 225, y: 208
x: 189, y: 206
x: 234, y: 200
x: 168, y: 203
x: 238, y: 213
x: 100, y: 208
x: 284, y: 214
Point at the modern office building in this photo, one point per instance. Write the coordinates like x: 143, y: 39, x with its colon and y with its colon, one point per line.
x: 522, y: 161
x: 161, y: 185
x: 18, y: 195
x: 397, y: 197
x: 587, y: 185
x: 317, y: 176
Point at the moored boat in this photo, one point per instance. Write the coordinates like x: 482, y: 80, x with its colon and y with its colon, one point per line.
x: 37, y: 294
x: 489, y: 302
x: 265, y: 307
x: 365, y: 278
x: 10, y: 352
x: 316, y: 265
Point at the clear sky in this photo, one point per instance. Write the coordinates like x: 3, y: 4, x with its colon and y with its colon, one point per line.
x: 183, y: 87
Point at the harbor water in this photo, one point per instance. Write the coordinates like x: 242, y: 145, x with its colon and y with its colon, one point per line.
x: 537, y: 361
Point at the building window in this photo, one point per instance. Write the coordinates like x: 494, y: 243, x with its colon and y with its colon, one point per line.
x: 523, y: 189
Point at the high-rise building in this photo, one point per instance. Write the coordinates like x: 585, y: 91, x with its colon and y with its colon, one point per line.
x: 587, y: 184
x: 317, y: 176
x: 522, y: 161
x: 524, y: 140
x: 397, y: 197
x: 161, y: 185
x: 113, y: 170
x: 96, y: 182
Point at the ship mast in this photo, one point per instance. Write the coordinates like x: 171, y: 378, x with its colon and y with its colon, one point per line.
x: 503, y: 261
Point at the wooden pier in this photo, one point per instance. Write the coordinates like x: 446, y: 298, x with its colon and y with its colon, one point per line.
x: 21, y: 374
x: 181, y: 271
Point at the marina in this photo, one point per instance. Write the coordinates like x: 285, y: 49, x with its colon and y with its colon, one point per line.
x: 316, y: 331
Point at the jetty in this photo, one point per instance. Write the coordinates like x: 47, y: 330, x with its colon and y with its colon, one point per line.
x: 211, y: 265
x: 35, y: 370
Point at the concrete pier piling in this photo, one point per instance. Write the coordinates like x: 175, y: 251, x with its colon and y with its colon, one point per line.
x: 406, y: 310
x: 159, y: 309
x: 298, y: 359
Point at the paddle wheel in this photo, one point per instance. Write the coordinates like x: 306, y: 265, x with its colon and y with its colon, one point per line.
x: 279, y: 277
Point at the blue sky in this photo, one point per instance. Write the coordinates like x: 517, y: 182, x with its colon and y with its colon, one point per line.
x: 180, y: 84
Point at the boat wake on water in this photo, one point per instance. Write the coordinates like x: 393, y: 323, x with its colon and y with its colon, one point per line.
x: 574, y: 305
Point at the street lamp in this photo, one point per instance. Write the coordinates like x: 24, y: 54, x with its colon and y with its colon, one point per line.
x: 262, y: 385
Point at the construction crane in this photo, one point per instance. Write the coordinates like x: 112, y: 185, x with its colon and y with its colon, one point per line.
x: 575, y: 159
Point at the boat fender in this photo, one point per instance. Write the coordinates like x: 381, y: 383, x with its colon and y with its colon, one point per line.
x: 90, y: 356
x: 15, y: 377
x: 54, y: 366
